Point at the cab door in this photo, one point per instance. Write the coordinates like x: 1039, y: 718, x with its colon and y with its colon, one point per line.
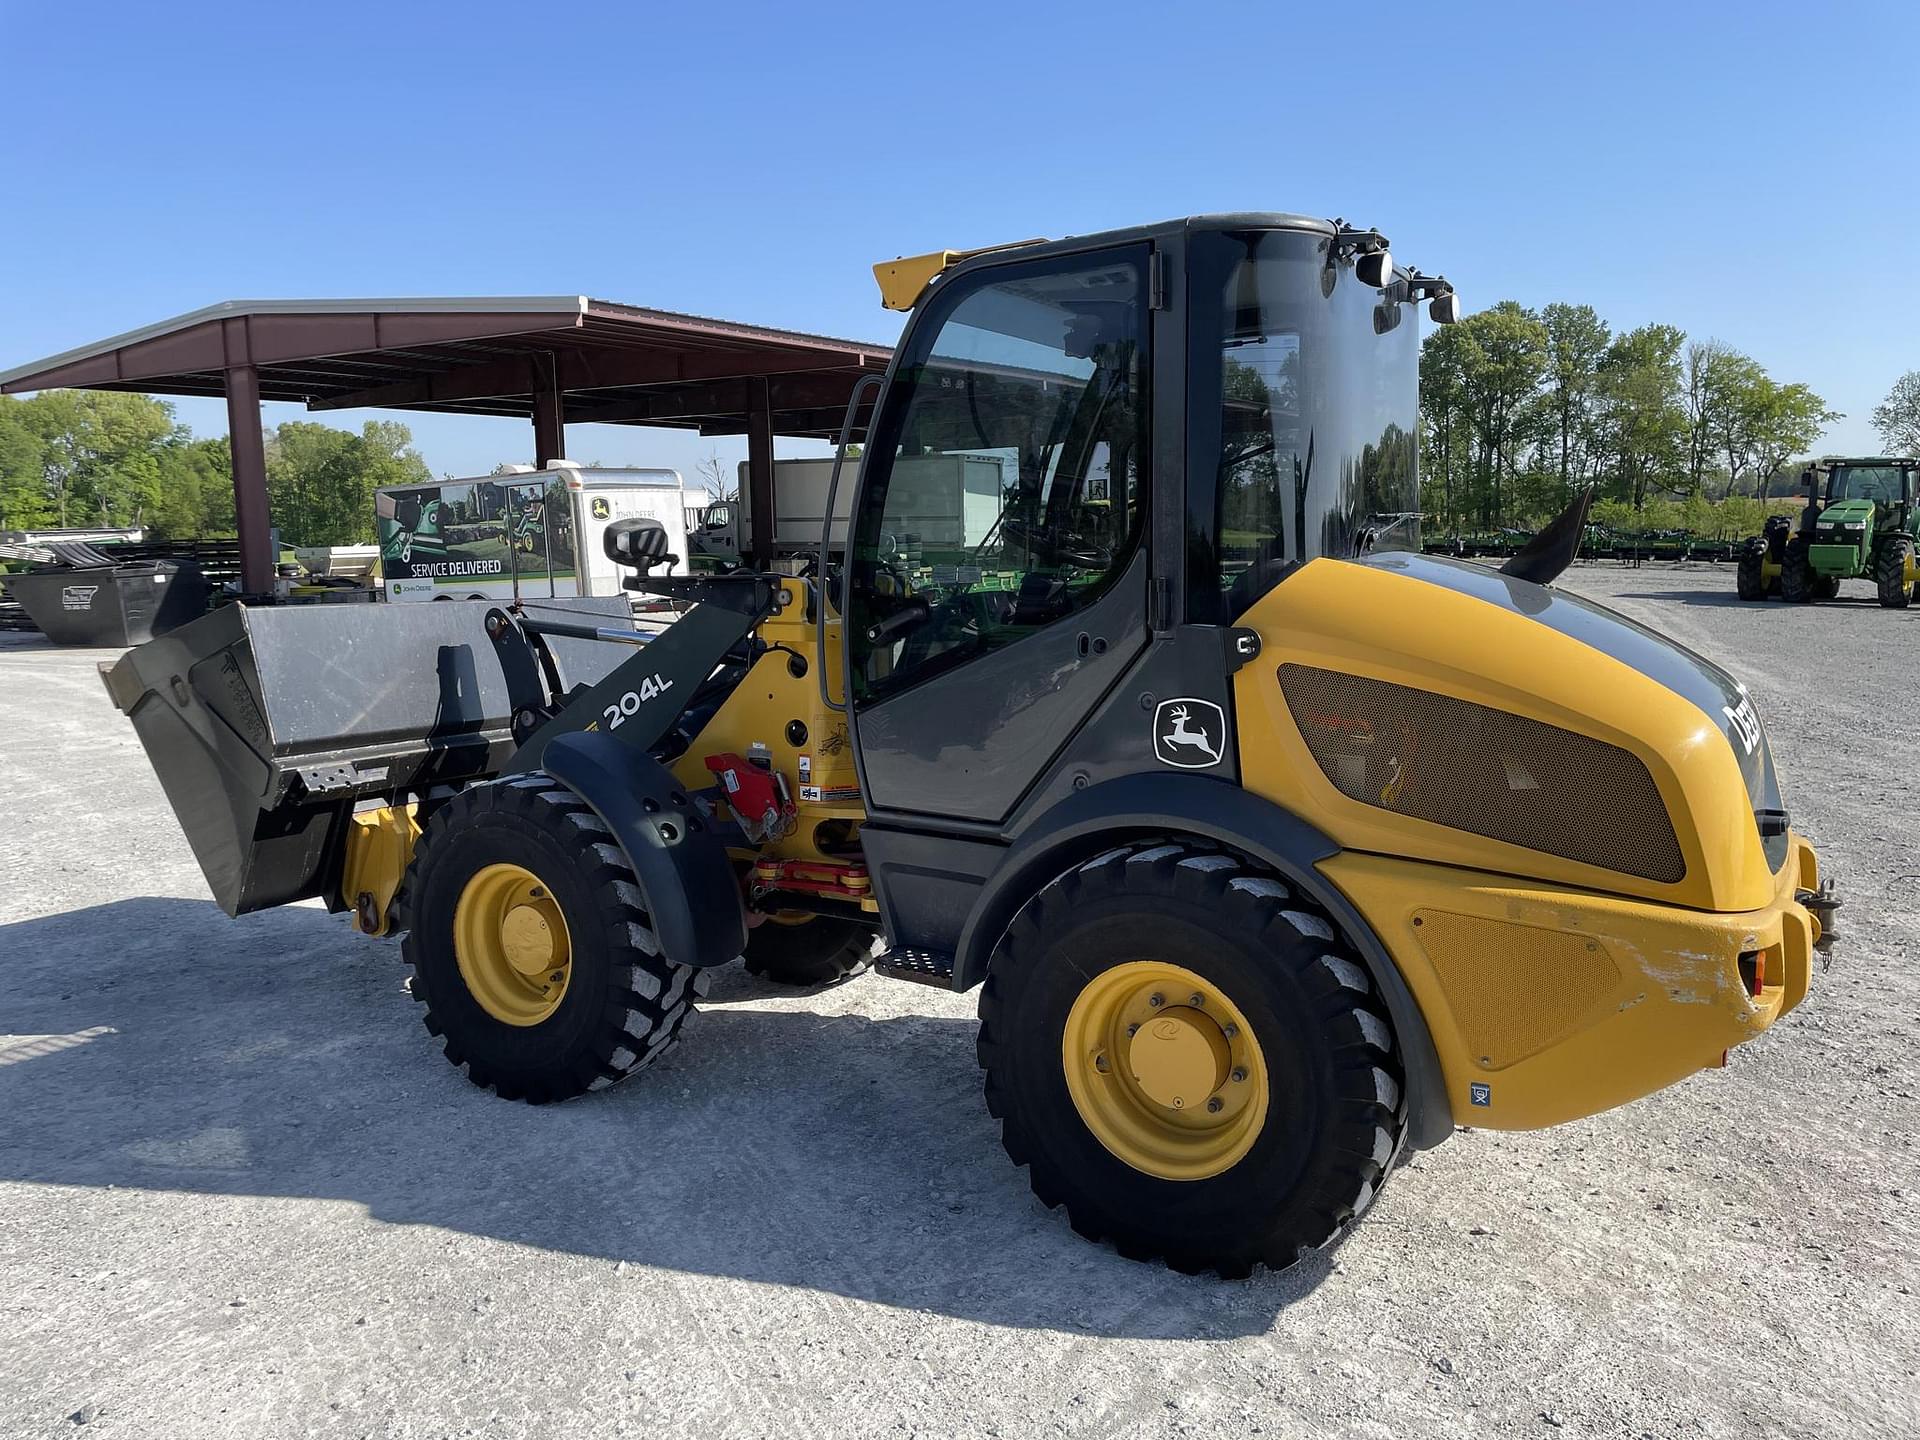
x: 999, y: 578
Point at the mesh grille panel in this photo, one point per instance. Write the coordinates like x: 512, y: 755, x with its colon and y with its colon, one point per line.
x: 1471, y: 767
x: 1515, y: 989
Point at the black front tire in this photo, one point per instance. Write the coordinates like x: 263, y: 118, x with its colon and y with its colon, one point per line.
x: 1890, y: 574
x: 624, y: 1003
x: 1796, y: 575
x: 1749, y: 580
x: 811, y: 952
x: 1336, y: 1115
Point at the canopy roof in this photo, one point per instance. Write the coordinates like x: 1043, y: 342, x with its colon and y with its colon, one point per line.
x: 603, y: 362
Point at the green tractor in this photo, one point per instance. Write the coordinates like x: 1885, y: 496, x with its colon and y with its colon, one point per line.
x: 1863, y: 527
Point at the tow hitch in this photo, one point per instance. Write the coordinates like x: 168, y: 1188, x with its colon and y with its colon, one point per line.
x: 1821, y: 904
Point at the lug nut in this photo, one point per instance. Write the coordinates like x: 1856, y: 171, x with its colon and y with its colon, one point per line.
x: 1156, y: 1000
x: 1230, y: 1030
x: 1215, y: 1105
x: 1133, y: 1029
x: 1100, y: 1062
x: 537, y: 893
x: 1196, y: 1000
x: 1239, y: 1072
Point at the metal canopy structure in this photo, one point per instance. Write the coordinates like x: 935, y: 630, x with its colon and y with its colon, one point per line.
x: 553, y: 360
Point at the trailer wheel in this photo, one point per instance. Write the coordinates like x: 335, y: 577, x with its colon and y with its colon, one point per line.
x: 1890, y: 575
x: 531, y: 949
x: 1185, y: 1054
x: 797, y: 949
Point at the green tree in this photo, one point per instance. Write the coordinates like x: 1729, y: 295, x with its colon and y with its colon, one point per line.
x: 23, y: 489
x: 1503, y: 357
x: 1576, y: 343
x: 1767, y: 422
x: 320, y: 481
x: 195, y: 489
x: 1897, y: 417
x: 1718, y: 381
x: 1444, y: 427
x: 1645, y: 420
x: 97, y: 460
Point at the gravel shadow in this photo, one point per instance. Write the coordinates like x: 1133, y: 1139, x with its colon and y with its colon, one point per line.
x: 277, y: 1055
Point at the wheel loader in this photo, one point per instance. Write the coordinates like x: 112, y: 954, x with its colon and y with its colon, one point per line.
x: 1861, y: 521
x: 1273, y: 847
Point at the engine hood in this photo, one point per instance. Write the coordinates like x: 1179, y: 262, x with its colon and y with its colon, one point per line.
x: 1695, y: 679
x: 1847, y: 512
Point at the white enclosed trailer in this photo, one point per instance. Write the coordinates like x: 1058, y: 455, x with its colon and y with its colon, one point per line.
x: 539, y: 530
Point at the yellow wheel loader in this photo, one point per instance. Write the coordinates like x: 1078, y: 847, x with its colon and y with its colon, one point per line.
x: 1272, y: 846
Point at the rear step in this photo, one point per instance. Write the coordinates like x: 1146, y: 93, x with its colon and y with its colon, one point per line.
x: 924, y: 967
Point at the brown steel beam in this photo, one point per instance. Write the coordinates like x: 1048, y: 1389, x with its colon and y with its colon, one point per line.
x: 760, y: 472
x: 729, y: 399
x: 590, y: 370
x: 549, y: 414
x: 823, y: 420
x: 249, y: 451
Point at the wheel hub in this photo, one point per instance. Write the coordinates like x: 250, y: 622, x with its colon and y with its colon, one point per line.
x: 1164, y: 1070
x: 510, y: 939
x: 1180, y: 1058
x: 528, y: 940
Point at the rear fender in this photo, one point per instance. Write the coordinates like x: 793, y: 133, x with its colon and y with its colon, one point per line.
x: 692, y: 896
x: 1159, y: 803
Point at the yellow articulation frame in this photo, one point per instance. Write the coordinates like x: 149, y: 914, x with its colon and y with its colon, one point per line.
x: 378, y: 850
x: 816, y: 759
x: 1554, y: 989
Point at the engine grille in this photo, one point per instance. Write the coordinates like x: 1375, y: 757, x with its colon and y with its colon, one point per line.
x: 1485, y: 771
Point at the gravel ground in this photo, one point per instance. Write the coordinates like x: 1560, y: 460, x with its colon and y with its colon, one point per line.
x: 241, y: 1195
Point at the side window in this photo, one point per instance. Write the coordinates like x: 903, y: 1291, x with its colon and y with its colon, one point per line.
x: 1017, y: 493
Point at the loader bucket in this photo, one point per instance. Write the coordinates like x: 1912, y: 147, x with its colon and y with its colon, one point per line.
x: 267, y: 724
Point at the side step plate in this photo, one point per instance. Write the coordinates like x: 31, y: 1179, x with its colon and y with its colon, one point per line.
x: 925, y: 967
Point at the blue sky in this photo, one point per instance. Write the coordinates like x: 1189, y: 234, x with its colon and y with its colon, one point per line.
x: 1746, y: 172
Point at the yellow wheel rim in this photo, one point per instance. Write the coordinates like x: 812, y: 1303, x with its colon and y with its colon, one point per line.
x: 512, y: 944
x: 1164, y: 1070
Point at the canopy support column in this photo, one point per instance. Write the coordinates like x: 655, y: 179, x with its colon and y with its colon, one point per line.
x: 760, y: 472
x: 549, y: 414
x: 257, y: 560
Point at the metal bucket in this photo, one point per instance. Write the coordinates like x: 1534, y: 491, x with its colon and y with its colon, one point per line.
x: 267, y: 725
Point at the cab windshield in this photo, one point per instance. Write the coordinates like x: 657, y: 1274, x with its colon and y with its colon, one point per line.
x: 1882, y: 484
x: 1316, y: 409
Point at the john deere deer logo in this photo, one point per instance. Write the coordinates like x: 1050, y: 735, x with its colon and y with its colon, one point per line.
x: 1189, y: 733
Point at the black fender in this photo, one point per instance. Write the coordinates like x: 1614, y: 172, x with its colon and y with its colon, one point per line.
x: 1162, y: 803
x: 685, y: 875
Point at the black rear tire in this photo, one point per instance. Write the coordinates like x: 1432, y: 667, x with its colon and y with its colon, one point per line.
x: 1749, y: 583
x: 1890, y: 573
x: 1335, y: 1116
x: 1796, y: 575
x: 624, y: 1003
x: 818, y: 951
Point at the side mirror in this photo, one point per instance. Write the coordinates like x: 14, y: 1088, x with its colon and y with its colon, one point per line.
x: 1445, y: 309
x: 1374, y: 269
x: 637, y: 541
